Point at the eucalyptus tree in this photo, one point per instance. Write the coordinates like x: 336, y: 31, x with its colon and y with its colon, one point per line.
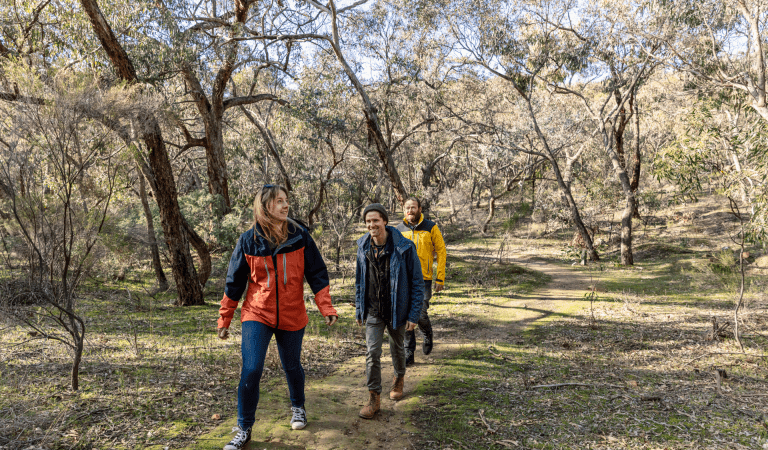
x: 157, y: 164
x: 605, y: 43
x: 210, y: 42
x: 484, y: 116
x: 722, y: 145
x: 52, y: 36
x: 521, y: 44
x: 377, y: 33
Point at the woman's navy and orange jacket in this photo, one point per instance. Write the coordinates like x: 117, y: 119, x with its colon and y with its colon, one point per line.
x: 274, y: 280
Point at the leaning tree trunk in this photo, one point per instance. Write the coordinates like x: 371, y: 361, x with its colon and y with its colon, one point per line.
x: 269, y: 141
x: 565, y: 192
x: 565, y: 189
x: 375, y: 134
x: 183, y: 268
x: 162, y: 282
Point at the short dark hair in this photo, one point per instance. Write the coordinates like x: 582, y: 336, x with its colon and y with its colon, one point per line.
x: 413, y: 198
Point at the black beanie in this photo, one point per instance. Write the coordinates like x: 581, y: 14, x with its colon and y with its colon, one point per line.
x: 378, y: 207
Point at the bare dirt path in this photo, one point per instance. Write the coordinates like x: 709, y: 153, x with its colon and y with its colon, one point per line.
x: 333, y: 402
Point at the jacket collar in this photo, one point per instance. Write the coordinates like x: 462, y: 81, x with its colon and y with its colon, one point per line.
x: 294, y: 234
x: 397, y: 240
x: 408, y: 224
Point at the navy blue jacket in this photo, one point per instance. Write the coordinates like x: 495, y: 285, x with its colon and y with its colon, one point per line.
x: 406, y: 284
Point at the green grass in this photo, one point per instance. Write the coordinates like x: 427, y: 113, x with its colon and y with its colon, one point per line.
x: 651, y: 321
x: 154, y: 374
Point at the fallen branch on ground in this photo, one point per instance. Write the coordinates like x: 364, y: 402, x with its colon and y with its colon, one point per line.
x: 490, y: 430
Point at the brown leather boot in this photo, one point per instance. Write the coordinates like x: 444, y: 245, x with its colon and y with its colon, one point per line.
x: 397, y: 388
x: 373, y: 406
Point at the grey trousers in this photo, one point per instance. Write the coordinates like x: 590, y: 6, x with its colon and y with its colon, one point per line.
x: 374, y: 337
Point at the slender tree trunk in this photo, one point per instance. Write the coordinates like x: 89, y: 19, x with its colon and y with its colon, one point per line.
x: 183, y: 268
x: 631, y: 205
x: 75, y: 373
x: 269, y: 141
x: 626, y: 234
x: 491, y: 211
x: 375, y: 134
x: 162, y: 282
x: 450, y: 202
x: 634, y: 181
x: 565, y: 190
x: 613, y: 143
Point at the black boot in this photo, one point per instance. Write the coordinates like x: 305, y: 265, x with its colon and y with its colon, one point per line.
x: 409, y: 360
x: 426, y: 347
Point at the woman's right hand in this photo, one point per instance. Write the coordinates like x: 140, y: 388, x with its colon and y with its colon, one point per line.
x: 223, y: 333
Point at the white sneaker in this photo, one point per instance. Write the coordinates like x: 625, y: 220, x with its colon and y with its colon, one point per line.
x: 299, y: 419
x: 240, y: 439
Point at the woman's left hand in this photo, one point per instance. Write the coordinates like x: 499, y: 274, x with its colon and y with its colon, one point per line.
x: 330, y: 320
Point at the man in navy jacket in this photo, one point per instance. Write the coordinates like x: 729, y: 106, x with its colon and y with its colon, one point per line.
x: 389, y: 289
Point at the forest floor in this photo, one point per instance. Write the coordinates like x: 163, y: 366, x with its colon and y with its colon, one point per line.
x: 532, y: 350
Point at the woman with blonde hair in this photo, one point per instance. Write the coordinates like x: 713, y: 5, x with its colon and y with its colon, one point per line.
x: 268, y: 265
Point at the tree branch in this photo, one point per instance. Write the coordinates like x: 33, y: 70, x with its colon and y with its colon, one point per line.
x: 247, y: 100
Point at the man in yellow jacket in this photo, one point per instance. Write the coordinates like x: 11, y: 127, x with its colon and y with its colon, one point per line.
x: 429, y: 241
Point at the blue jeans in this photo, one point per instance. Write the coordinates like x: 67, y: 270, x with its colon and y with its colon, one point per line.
x: 256, y: 337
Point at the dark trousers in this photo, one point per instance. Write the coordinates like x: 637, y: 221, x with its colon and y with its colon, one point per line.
x: 256, y: 337
x: 424, y: 323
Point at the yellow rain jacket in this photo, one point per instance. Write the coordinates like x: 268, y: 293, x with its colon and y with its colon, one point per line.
x: 428, y: 239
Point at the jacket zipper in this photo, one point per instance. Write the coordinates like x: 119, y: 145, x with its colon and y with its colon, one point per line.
x: 277, y: 292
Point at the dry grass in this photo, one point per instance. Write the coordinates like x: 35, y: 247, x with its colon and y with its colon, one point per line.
x: 155, y: 375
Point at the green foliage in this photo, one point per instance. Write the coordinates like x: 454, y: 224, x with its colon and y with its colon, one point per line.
x: 723, y: 146
x: 199, y: 208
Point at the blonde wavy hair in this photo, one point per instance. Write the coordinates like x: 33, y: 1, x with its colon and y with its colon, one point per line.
x: 274, y: 229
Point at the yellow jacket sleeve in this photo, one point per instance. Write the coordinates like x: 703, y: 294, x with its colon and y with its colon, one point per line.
x: 439, y: 246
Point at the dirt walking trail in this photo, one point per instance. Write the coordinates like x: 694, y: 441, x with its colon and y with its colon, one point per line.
x: 333, y: 402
